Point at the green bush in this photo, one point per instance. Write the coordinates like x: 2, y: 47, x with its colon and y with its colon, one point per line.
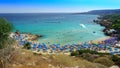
x: 5, y: 29
x: 74, y: 53
x: 27, y: 45
x: 104, y: 60
x: 88, y: 51
x: 81, y: 52
x: 116, y: 59
x: 88, y: 56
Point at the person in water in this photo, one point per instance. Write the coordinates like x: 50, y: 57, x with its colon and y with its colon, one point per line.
x: 94, y: 32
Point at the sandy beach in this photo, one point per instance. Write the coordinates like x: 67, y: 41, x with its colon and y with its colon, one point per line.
x: 101, y: 39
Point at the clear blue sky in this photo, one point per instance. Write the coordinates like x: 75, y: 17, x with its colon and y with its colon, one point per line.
x: 31, y: 6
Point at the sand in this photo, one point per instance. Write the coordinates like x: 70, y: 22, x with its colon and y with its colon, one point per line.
x: 101, y: 39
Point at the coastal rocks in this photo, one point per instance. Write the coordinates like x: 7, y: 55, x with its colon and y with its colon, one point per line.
x: 32, y: 37
x: 109, y: 32
x: 39, y: 36
x: 35, y: 37
x: 26, y: 36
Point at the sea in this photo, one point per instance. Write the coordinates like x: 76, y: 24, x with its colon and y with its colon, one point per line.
x: 57, y: 28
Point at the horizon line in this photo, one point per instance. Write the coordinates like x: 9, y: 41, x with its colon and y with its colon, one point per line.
x: 58, y: 12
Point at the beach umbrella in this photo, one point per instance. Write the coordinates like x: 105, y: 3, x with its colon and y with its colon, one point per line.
x: 45, y: 46
x: 30, y: 43
x: 39, y: 47
x: 34, y: 46
x: 61, y: 49
x: 54, y: 49
x: 58, y: 45
x: 116, y: 49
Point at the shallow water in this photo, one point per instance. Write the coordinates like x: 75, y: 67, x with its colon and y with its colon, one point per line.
x: 58, y: 28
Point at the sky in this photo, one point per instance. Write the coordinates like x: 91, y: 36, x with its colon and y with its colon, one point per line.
x: 56, y: 6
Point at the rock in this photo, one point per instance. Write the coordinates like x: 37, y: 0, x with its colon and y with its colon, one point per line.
x: 14, y: 64
x: 76, y: 67
x: 23, y: 53
x: 33, y: 63
x: 114, y: 66
x: 50, y: 65
x: 39, y: 35
x: 20, y: 65
x: 29, y: 64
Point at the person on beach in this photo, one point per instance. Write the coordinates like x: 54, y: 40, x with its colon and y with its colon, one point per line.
x: 17, y: 33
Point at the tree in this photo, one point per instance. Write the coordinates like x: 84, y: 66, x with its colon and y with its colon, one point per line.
x: 5, y: 29
x: 6, y: 43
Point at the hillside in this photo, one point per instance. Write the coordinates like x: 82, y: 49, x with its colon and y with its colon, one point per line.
x: 26, y: 59
x: 103, y: 12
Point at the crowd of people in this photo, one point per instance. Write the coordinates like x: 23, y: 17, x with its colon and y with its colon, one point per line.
x: 106, y: 46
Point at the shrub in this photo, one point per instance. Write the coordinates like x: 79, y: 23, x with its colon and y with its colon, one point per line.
x: 76, y: 53
x: 88, y: 56
x: 116, y: 59
x: 27, y: 45
x: 88, y: 51
x: 72, y: 62
x: 105, y: 61
x: 5, y: 29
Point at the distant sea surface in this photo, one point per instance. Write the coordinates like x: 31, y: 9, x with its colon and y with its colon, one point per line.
x: 57, y: 28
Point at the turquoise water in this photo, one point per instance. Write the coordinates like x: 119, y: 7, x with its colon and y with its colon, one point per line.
x: 58, y: 28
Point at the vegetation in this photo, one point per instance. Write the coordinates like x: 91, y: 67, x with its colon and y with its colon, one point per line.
x: 113, y: 21
x: 87, y: 51
x: 27, y: 45
x: 80, y: 52
x: 76, y: 53
x: 68, y: 61
x: 105, y: 61
x: 96, y: 57
x: 5, y: 29
x: 103, y: 12
x: 6, y: 43
x: 26, y: 59
x: 116, y: 59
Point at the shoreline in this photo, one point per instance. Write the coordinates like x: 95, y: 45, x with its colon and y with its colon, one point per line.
x: 102, y: 39
x: 34, y: 38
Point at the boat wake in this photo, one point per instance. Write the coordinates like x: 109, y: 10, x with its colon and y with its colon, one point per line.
x: 82, y: 25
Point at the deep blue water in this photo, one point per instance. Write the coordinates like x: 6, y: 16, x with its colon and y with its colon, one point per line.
x: 57, y: 27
